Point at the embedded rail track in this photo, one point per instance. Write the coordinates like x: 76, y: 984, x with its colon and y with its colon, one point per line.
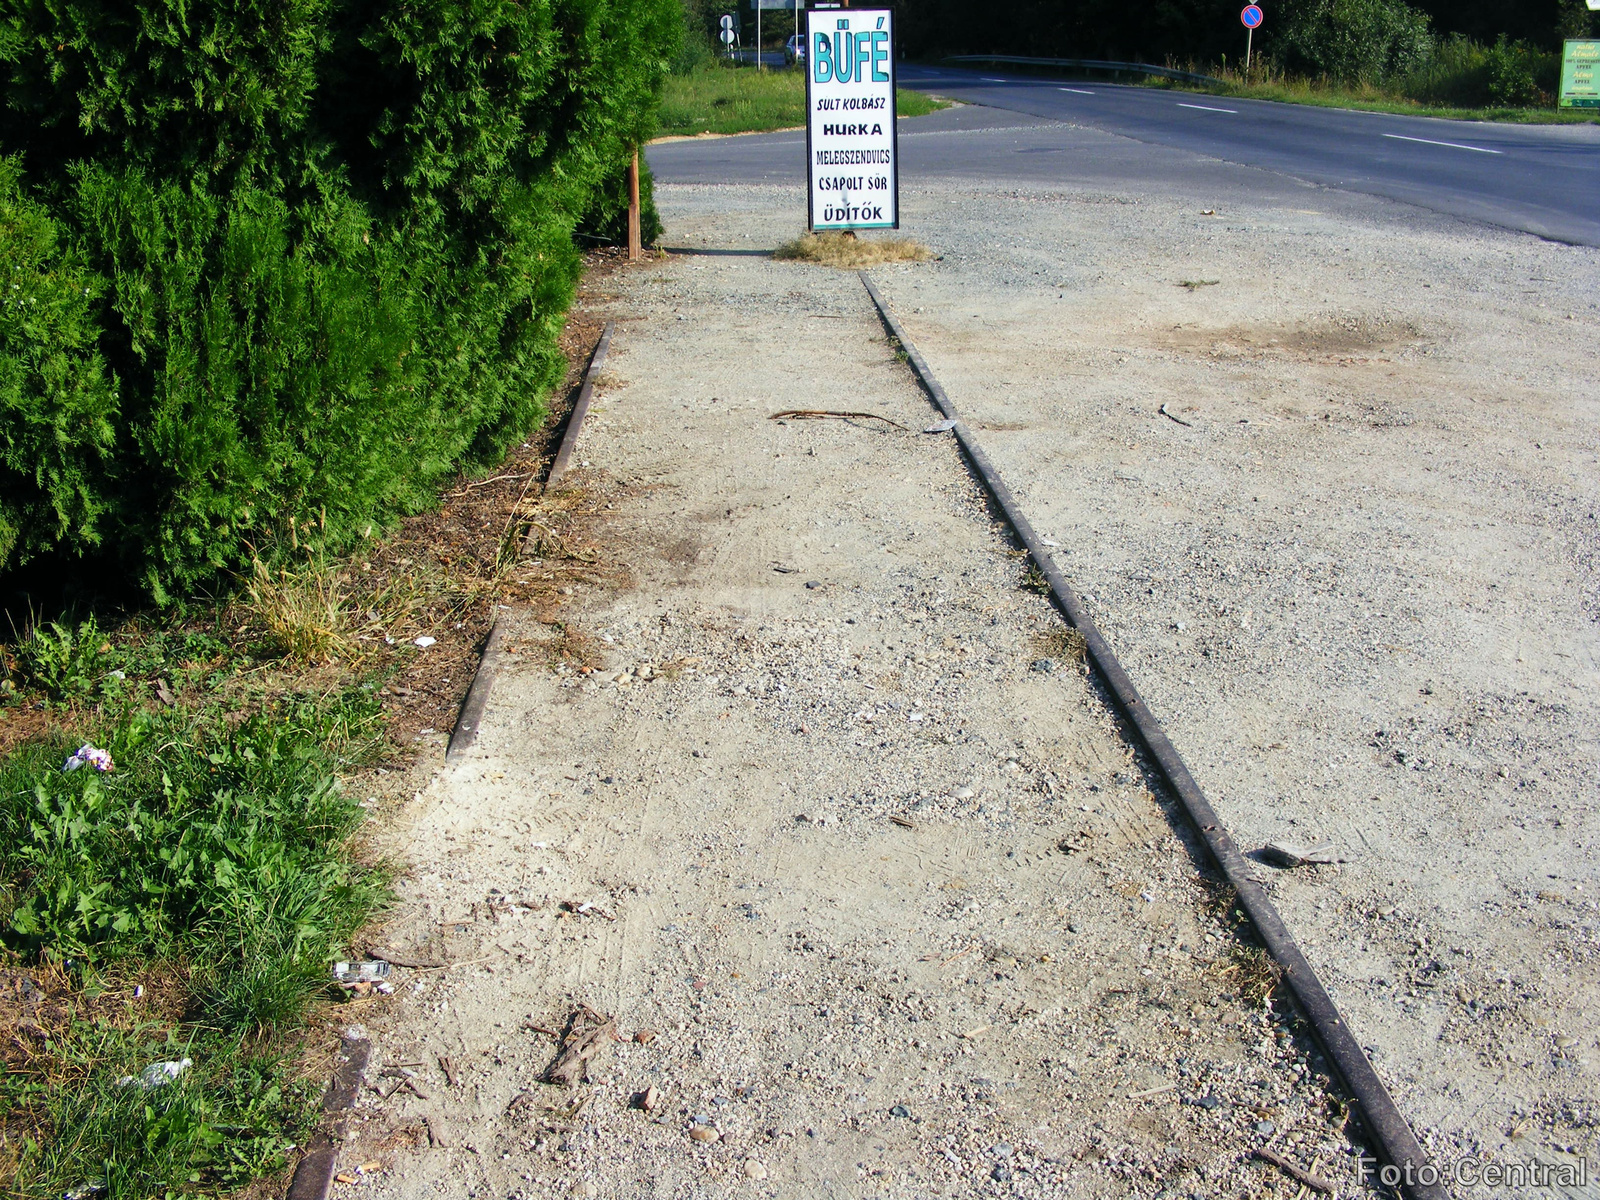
x: 1389, y: 1132
x: 1388, y: 1128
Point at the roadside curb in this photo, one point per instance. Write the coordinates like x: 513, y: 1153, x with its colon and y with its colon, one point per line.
x: 580, y: 408
x: 472, y: 708
x: 471, y: 716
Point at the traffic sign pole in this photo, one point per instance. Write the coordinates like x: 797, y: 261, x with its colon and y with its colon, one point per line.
x: 1250, y: 17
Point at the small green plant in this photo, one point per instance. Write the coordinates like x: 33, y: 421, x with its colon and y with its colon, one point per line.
x: 1258, y: 974
x: 67, y: 662
x: 222, y: 845
x: 1061, y: 642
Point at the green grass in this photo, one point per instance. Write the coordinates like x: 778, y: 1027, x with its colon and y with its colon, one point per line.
x: 231, y: 1118
x: 1373, y: 98
x: 714, y: 98
x: 213, y: 867
x: 1458, y: 83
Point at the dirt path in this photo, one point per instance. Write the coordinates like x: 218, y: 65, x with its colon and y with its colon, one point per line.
x: 841, y: 821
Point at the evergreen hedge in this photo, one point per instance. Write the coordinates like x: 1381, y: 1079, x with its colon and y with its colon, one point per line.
x: 277, y: 268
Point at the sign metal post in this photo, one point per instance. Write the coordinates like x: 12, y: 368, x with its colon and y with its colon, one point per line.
x: 1251, y: 17
x: 852, y: 150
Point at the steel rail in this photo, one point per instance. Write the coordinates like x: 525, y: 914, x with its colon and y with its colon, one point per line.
x: 470, y: 719
x: 313, y: 1175
x: 580, y: 409
x: 1376, y: 1108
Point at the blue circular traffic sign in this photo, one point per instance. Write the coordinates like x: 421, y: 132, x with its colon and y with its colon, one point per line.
x: 1251, y: 16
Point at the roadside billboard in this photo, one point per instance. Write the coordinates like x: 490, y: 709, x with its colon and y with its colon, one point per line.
x: 1579, y: 86
x: 851, y: 147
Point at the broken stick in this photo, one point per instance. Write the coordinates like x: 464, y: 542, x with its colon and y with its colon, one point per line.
x: 814, y: 414
x: 587, y: 1032
x: 1298, y: 1174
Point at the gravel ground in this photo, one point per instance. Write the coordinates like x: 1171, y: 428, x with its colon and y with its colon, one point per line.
x: 1356, y: 574
x: 1352, y: 566
x: 839, y: 820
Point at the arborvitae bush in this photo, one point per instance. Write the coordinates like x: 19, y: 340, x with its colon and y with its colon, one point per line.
x: 274, y: 270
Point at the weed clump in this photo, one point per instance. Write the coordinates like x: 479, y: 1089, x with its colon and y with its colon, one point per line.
x: 839, y: 250
x: 1061, y: 642
x: 178, y: 899
x: 217, y: 843
x: 302, y: 611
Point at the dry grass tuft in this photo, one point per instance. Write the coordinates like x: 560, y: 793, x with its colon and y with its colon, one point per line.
x: 840, y: 250
x: 1061, y: 642
x: 301, y: 611
x: 1258, y: 975
x: 573, y: 647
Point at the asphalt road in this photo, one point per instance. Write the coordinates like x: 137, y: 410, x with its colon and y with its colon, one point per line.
x: 1542, y: 180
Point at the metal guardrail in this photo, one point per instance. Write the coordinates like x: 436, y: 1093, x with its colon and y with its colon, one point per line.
x: 1085, y: 64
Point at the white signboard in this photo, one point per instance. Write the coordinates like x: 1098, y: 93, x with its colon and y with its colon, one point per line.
x: 850, y: 115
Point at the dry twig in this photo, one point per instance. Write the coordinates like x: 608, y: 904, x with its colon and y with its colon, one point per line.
x: 1298, y: 1174
x: 814, y: 414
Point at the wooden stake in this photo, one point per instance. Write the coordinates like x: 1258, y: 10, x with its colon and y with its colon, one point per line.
x: 635, y: 240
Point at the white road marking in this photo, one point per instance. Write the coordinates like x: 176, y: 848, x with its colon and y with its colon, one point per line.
x: 1400, y: 137
x: 1078, y: 91
x: 1208, y: 108
x: 987, y: 79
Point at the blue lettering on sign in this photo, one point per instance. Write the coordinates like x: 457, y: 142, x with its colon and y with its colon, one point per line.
x: 822, y: 59
x: 879, y: 38
x: 847, y: 56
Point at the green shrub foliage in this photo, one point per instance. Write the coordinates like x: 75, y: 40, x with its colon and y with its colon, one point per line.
x: 1387, y: 41
x: 275, y: 270
x: 1356, y: 40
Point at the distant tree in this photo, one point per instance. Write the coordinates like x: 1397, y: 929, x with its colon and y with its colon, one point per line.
x: 1541, y: 22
